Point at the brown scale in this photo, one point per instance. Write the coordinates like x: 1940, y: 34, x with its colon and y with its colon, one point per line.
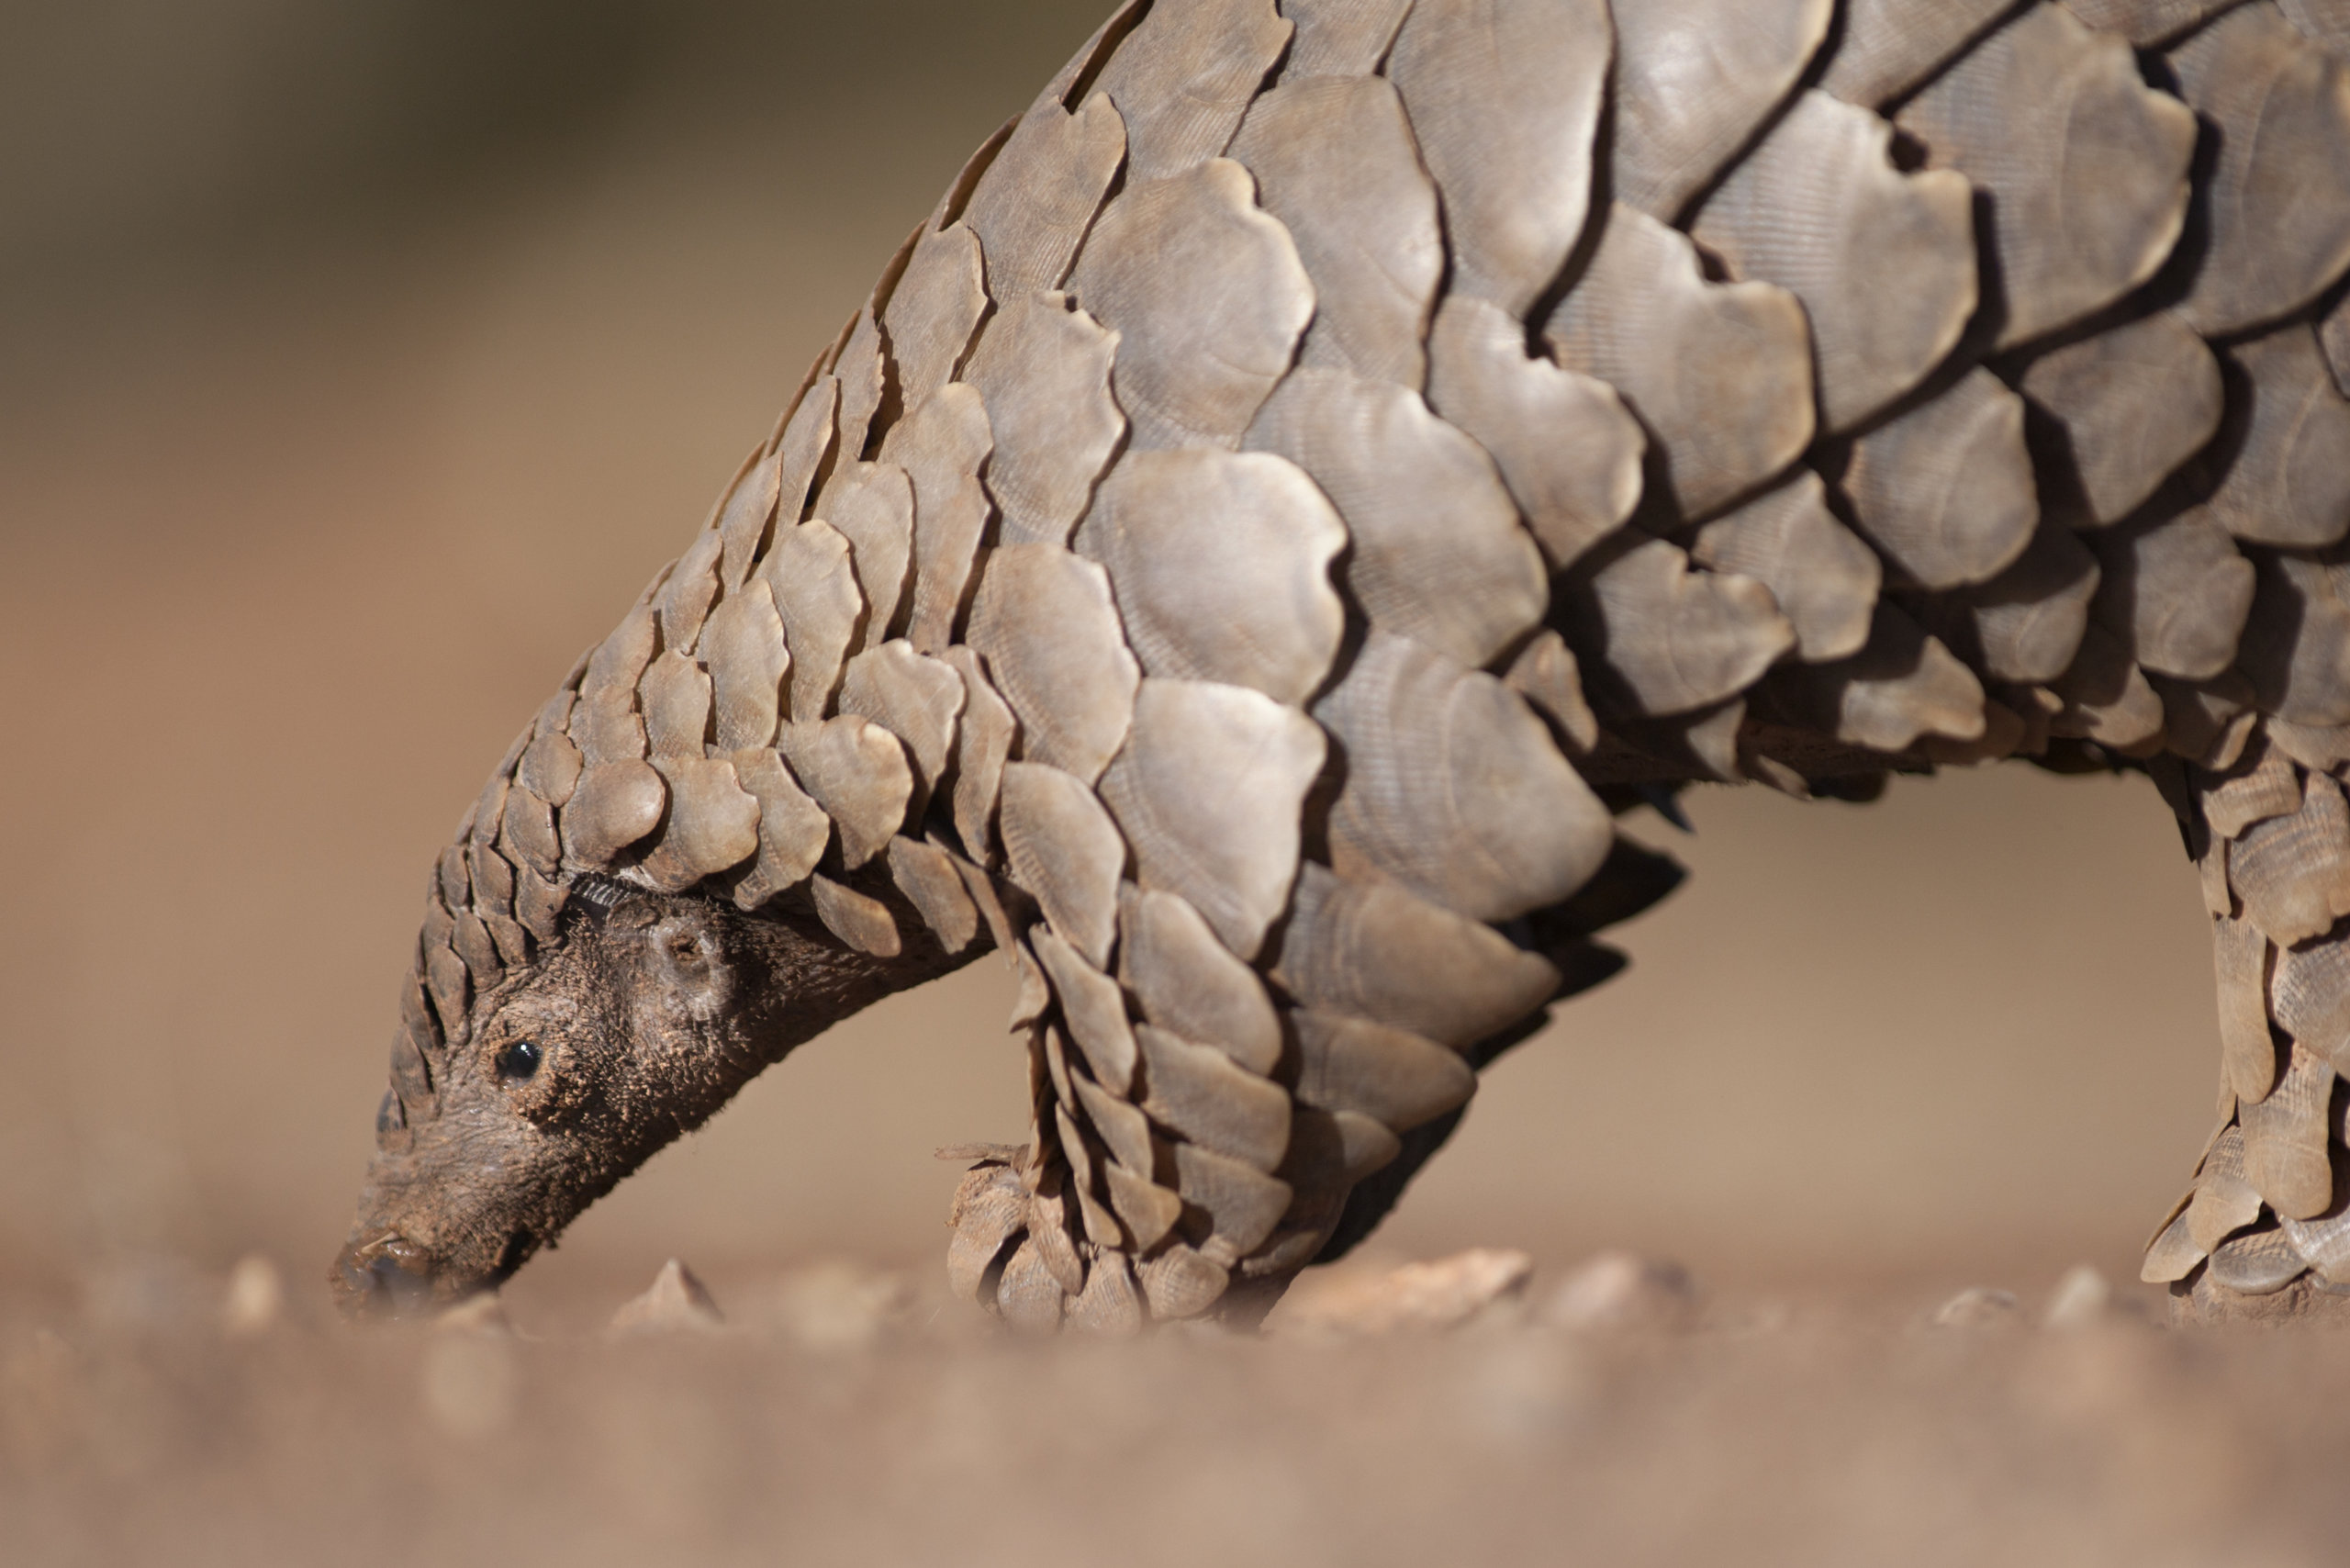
x: 860, y: 922
x: 1467, y: 589
x: 916, y: 699
x: 857, y: 772
x: 1884, y: 261
x: 2334, y: 336
x: 1824, y: 578
x: 1336, y: 164
x: 871, y: 505
x: 1692, y: 82
x: 1888, y: 46
x: 1042, y: 370
x: 1062, y: 845
x: 813, y: 581
x: 1505, y: 102
x: 2296, y: 645
x: 2278, y: 238
x: 1946, y: 490
x: 1184, y: 980
x: 2027, y: 625
x: 1546, y: 675
x: 933, y: 312
x: 2174, y: 590
x: 942, y: 445
x: 1566, y: 445
x: 1454, y: 789
x: 1208, y: 795
x: 1183, y: 79
x: 1046, y: 622
x: 2106, y: 699
x: 1902, y: 686
x: 2085, y: 165
x: 1660, y: 637
x: 2117, y: 413
x: 1208, y: 297
x: 925, y: 874
x: 1719, y: 374
x: 1220, y: 564
x: 1285, y: 486
x: 2287, y: 479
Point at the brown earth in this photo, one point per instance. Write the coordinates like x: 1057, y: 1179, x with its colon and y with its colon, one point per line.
x: 298, y: 521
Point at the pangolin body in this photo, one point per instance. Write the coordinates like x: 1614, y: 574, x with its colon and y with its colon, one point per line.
x: 1323, y: 457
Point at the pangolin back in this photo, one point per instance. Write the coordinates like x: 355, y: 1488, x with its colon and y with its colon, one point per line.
x: 1322, y: 456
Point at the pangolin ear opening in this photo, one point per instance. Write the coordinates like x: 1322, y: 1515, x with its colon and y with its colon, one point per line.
x: 686, y: 955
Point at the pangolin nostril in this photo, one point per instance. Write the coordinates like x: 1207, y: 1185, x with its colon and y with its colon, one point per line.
x: 388, y: 1274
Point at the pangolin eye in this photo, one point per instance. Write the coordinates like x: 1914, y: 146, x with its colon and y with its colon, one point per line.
x: 520, y: 1061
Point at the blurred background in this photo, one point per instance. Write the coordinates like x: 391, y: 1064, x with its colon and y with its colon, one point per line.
x: 358, y: 365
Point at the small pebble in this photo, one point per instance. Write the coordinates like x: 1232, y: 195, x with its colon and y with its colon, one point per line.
x: 1978, y: 1307
x: 675, y: 1303
x: 2081, y: 1300
x: 1617, y: 1291
x: 255, y: 1300
x: 1444, y: 1292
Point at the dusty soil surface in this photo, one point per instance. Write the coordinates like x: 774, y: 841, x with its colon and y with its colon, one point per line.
x: 846, y: 1415
x: 297, y: 526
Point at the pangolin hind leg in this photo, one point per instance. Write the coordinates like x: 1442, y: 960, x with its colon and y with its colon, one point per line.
x: 2263, y: 1234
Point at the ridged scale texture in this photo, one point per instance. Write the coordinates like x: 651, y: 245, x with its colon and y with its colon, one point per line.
x: 1288, y: 485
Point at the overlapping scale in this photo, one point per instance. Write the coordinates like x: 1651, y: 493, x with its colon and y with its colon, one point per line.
x: 1047, y: 626
x: 1335, y: 162
x: 1695, y: 80
x: 2085, y: 166
x: 1207, y: 295
x: 1208, y: 793
x: 1566, y: 446
x: 1882, y: 261
x: 1436, y: 553
x: 1504, y: 100
x: 1043, y: 372
x: 1184, y: 78
x: 942, y: 446
x: 2277, y: 236
x: 1720, y: 376
x: 1452, y: 787
x: 1220, y: 564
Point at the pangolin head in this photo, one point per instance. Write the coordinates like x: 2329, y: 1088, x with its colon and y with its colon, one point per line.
x: 638, y: 1023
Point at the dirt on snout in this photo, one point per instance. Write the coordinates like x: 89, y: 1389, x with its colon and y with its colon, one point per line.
x: 844, y: 1413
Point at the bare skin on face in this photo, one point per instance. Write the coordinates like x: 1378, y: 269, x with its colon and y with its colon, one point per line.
x: 633, y: 1029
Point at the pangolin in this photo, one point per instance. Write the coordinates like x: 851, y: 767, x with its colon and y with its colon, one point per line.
x: 1319, y: 463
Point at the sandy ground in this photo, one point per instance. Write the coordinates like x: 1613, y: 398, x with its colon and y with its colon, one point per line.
x: 295, y: 531
x: 812, y: 1430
